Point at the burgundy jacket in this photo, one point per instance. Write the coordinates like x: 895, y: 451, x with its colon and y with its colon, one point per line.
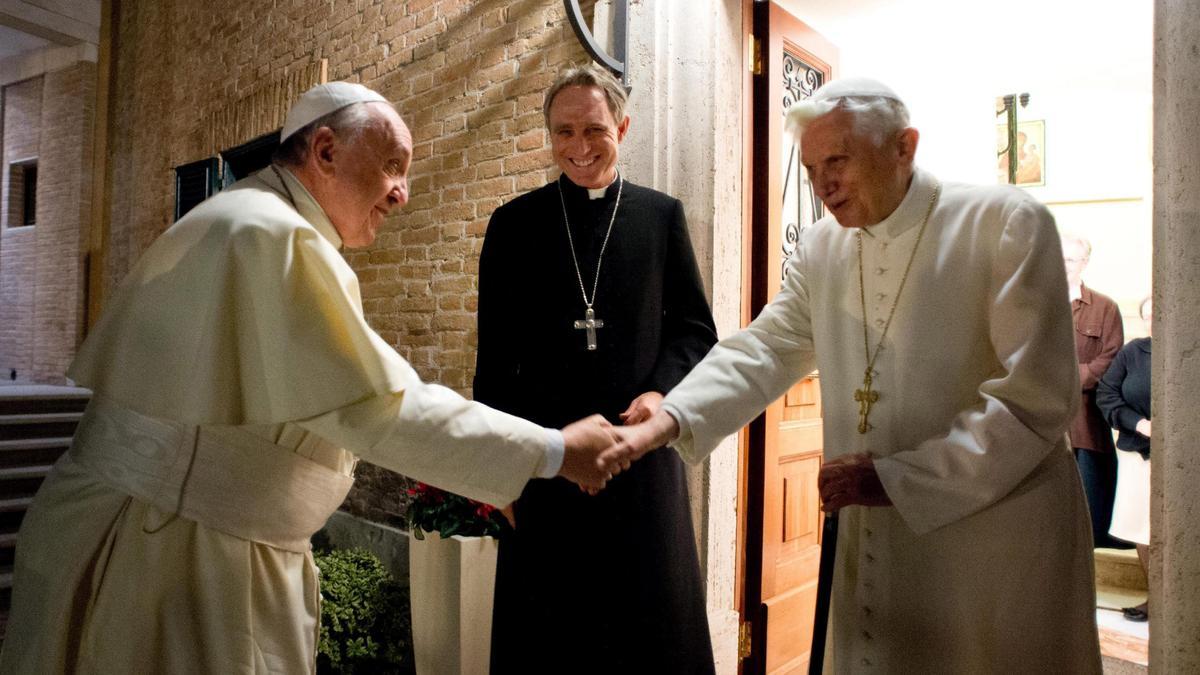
x: 1098, y: 337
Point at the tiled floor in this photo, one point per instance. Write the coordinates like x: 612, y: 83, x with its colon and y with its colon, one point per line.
x: 1121, y: 638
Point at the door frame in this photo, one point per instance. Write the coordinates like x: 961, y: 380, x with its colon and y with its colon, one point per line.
x: 762, y: 199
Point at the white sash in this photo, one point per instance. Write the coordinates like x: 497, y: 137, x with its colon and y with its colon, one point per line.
x: 221, y: 477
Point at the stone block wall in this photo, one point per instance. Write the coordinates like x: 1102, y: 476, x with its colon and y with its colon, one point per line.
x: 467, y: 76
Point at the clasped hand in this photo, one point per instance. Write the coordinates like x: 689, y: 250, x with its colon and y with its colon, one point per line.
x: 596, y: 450
x: 587, y: 460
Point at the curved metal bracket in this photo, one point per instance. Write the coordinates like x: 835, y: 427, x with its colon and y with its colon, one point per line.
x: 616, y: 62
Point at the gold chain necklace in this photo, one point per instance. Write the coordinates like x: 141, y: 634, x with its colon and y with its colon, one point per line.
x: 866, y: 397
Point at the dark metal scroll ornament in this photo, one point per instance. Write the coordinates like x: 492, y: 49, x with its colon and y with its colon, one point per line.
x: 617, y: 62
x: 1007, y: 106
x: 800, y: 80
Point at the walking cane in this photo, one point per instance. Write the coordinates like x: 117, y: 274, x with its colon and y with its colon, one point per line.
x: 816, y: 657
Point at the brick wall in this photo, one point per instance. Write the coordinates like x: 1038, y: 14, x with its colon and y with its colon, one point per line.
x: 63, y: 218
x: 18, y: 261
x: 42, y: 268
x: 468, y: 78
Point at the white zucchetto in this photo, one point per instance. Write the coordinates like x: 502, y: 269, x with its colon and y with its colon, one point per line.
x: 322, y: 100
x: 854, y: 86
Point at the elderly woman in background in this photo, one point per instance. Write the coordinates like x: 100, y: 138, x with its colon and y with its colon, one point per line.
x: 1124, y: 397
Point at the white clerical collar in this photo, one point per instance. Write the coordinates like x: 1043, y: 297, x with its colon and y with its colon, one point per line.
x: 911, y: 211
x: 598, y: 193
x: 306, y: 205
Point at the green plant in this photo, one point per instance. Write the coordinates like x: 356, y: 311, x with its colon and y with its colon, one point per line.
x: 432, y: 510
x: 364, y: 615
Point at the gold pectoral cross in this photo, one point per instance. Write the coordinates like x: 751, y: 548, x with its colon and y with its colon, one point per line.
x: 865, y: 398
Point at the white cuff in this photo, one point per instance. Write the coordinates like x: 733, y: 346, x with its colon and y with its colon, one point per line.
x: 685, y: 431
x: 556, y: 447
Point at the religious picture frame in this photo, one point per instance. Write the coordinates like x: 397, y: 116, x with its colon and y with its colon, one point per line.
x: 1031, y: 153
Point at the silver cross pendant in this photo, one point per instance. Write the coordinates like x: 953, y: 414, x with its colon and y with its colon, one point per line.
x: 590, y: 323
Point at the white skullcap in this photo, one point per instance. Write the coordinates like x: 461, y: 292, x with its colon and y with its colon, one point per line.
x: 322, y: 100
x: 856, y: 94
x: 854, y: 86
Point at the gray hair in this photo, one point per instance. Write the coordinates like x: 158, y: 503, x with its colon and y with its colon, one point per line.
x: 876, y: 117
x: 590, y: 75
x: 1082, y: 241
x: 347, y: 124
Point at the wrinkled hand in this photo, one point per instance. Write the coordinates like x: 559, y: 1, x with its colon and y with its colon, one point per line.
x: 1143, y: 427
x: 642, y: 408
x: 638, y: 439
x: 848, y: 481
x: 587, y: 460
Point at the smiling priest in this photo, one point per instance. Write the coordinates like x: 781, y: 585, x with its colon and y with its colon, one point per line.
x: 937, y: 315
x: 590, y: 301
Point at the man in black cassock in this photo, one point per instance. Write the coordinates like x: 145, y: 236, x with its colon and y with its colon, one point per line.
x: 590, y: 300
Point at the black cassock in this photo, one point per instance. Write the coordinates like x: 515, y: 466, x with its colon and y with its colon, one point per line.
x: 611, y: 583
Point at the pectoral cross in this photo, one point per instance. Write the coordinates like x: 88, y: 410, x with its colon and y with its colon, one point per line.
x: 865, y: 398
x: 590, y: 323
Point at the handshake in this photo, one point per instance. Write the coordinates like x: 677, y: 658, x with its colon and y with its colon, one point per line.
x: 596, y: 450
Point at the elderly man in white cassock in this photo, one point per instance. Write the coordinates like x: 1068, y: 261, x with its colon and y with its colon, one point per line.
x: 236, y: 385
x: 935, y: 313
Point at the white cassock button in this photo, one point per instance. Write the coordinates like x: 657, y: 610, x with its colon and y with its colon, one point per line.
x: 880, y: 270
x: 881, y: 296
x: 879, y: 323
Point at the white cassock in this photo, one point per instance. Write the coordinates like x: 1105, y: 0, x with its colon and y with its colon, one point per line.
x: 235, y: 381
x: 984, y: 564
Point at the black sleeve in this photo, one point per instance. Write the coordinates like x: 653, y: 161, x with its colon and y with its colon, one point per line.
x: 688, y: 328
x: 1109, y: 399
x: 496, y: 357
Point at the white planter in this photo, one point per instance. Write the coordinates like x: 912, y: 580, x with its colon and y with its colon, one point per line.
x: 451, y: 582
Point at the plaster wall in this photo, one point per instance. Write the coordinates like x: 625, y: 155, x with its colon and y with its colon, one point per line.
x: 1175, y: 469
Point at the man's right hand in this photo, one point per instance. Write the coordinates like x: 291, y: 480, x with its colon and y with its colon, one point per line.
x: 584, y: 443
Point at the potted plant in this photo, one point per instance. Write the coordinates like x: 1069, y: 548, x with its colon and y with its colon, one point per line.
x: 452, y: 578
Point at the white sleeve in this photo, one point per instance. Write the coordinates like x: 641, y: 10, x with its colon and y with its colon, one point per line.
x: 746, y: 371
x: 432, y: 434
x: 1023, y: 410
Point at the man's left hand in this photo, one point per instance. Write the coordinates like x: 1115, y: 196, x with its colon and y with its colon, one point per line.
x: 642, y: 408
x: 850, y: 480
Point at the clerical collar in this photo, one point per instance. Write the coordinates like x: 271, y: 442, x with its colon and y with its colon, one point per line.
x: 911, y: 210
x: 592, y: 193
x: 302, y: 200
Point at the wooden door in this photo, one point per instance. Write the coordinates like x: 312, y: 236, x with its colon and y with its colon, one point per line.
x: 784, y: 446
